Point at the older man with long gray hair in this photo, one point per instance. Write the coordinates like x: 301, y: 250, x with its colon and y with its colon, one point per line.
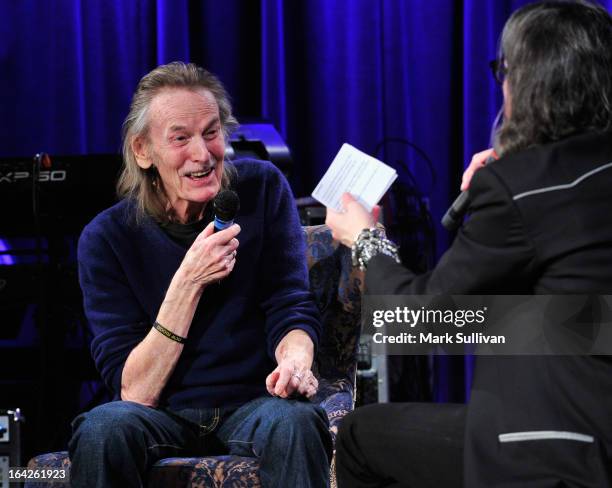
x: 206, y: 338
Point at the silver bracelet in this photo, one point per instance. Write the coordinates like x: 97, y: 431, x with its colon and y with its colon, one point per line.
x: 371, y: 242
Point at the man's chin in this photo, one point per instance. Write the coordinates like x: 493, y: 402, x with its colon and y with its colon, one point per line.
x: 207, y: 194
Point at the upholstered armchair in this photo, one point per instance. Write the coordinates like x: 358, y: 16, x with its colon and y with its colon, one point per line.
x: 336, y: 286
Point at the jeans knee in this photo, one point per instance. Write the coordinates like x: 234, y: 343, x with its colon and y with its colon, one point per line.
x: 302, y: 423
x: 301, y: 416
x: 105, y: 425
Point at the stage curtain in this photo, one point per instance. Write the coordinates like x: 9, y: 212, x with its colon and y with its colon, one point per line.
x: 323, y: 71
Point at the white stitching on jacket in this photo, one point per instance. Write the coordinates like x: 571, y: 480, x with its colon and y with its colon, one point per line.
x: 539, y: 435
x: 562, y: 187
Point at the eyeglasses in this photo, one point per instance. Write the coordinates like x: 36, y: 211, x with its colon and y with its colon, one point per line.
x: 499, y: 70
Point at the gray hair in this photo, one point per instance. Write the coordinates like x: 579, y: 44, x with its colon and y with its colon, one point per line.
x: 559, y: 62
x: 142, y: 185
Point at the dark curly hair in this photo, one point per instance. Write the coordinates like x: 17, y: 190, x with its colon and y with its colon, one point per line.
x: 559, y: 73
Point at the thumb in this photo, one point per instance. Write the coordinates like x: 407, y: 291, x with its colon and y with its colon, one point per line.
x: 209, y: 230
x: 271, y: 381
x: 465, y: 181
x: 346, y: 199
x: 376, y: 213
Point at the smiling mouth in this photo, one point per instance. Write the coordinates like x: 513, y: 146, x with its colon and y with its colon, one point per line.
x: 198, y: 175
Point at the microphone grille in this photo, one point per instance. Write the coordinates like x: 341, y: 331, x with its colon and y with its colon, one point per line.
x: 226, y: 205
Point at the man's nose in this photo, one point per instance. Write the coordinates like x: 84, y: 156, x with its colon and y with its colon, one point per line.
x: 199, y: 150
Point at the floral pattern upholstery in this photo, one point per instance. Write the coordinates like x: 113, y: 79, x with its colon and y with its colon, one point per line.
x: 336, y: 287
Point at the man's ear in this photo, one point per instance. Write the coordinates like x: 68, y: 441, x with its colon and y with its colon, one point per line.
x: 139, y: 148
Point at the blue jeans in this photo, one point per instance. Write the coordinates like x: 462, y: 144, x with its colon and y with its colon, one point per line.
x: 115, y: 444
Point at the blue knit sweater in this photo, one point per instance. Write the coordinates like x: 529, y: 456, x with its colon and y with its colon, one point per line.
x: 125, y: 269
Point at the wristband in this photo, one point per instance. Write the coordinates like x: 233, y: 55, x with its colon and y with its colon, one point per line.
x: 170, y: 335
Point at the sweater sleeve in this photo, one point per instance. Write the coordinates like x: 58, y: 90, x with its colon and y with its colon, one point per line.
x: 491, y: 253
x: 116, y: 318
x: 287, y: 301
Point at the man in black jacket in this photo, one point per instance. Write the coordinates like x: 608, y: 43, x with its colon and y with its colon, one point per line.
x: 541, y: 223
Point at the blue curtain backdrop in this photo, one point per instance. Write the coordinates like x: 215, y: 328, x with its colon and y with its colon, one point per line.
x: 323, y: 71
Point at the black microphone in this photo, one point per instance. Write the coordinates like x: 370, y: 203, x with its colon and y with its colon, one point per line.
x: 454, y: 215
x: 226, y: 206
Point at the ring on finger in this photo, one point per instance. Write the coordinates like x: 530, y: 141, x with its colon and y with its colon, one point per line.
x: 297, y: 375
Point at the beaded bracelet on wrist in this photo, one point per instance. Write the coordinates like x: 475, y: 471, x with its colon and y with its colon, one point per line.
x: 369, y: 243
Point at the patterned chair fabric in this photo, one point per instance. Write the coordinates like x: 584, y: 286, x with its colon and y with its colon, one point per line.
x: 336, y: 287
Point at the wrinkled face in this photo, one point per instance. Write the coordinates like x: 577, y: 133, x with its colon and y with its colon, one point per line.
x: 186, y: 145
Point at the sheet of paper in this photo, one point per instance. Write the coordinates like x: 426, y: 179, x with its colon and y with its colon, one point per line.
x: 353, y: 171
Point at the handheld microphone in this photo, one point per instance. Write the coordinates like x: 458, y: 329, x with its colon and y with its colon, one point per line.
x: 454, y: 215
x: 226, y: 206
